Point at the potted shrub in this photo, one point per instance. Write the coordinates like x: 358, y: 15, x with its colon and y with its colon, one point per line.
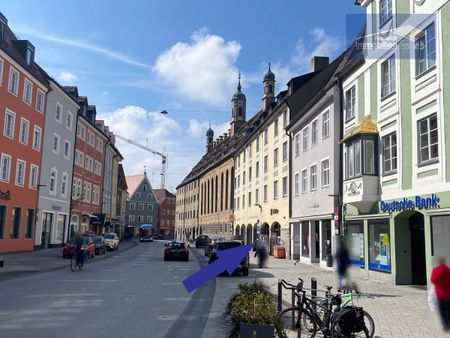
x: 253, y: 304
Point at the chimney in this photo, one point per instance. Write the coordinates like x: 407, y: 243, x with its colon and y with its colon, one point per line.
x: 319, y: 63
x: 221, y: 138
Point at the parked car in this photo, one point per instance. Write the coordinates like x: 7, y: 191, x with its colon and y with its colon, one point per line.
x: 176, y: 250
x: 201, y: 241
x: 88, y: 245
x: 158, y: 236
x: 111, y: 240
x: 100, y: 245
x: 225, y: 245
x: 146, y: 238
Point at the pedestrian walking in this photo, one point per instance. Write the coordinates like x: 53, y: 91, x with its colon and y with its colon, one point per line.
x: 342, y: 261
x: 260, y: 252
x: 440, y: 277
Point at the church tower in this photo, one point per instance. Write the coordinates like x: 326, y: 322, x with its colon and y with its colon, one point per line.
x: 238, y: 108
x: 269, y: 89
x: 209, y: 138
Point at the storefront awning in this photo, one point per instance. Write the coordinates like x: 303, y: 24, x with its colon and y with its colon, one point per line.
x: 366, y: 127
x: 90, y: 215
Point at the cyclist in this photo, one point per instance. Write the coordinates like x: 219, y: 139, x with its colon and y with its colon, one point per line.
x: 78, y: 247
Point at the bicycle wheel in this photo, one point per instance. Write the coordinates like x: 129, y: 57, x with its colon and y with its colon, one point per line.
x: 293, y: 323
x: 336, y: 332
x: 370, y: 324
x: 73, y: 263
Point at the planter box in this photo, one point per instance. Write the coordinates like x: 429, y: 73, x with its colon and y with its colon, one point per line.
x: 256, y: 330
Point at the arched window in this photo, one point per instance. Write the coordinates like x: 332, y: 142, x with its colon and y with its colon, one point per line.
x: 221, y: 192
x: 240, y: 111
x: 207, y: 199
x: 226, y: 190
x: 216, y: 195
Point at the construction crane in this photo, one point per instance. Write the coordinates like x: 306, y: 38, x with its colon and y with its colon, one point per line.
x: 163, y: 157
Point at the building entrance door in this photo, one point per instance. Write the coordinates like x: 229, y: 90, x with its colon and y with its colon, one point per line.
x: 317, y: 241
x: 418, y: 263
x: 47, y: 221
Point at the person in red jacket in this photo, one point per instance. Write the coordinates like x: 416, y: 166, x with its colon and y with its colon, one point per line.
x: 440, y: 277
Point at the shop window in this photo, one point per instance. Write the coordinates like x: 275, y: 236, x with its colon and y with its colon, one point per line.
x: 355, y: 243
x: 440, y: 230
x: 305, y: 239
x: 379, y: 246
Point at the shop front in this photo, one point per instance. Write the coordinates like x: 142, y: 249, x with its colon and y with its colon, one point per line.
x: 398, y: 244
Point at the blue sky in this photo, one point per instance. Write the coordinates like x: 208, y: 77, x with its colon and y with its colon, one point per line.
x: 133, y: 59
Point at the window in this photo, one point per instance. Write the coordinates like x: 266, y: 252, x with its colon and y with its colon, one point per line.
x: 326, y: 124
x: 5, y: 167
x: 24, y: 129
x: 131, y: 218
x: 40, y: 101
x: 243, y: 178
x: 285, y: 151
x: 29, y: 56
x: 257, y: 170
x: 10, y: 120
x: 275, y: 127
x: 385, y: 11
x: 257, y: 196
x: 389, y: 153
x: 76, y: 189
x: 29, y: 223
x: 20, y: 172
x: 249, y: 199
x: 87, y: 192
x: 27, y: 91
x: 285, y: 119
x: 13, y: 83
x: 64, y: 184
x: 2, y: 221
x: 243, y: 201
x: 285, y: 186
x: 379, y: 246
x: 53, y: 178
x: 69, y: 120
x: 239, y: 181
x: 426, y: 50
x: 388, y: 77
x: 140, y: 218
x: 304, y: 180
x: 305, y: 139
x: 297, y: 144
x: 81, y: 131
x: 265, y: 193
x: 140, y: 206
x: 237, y: 203
x: 98, y: 168
x: 275, y: 190
x: 66, y: 149
x: 99, y: 145
x: 132, y: 206
x: 266, y: 164
x: 149, y: 219
x: 266, y: 136
x: 1, y: 80
x: 90, y: 138
x: 15, y: 222
x: 296, y: 184
x: 144, y: 187
x: 58, y: 113
x: 56, y: 143
x: 37, y: 138
x: 355, y: 235
x: 325, y: 173
x: 257, y: 143
x: 33, y: 176
x: 353, y: 159
x: 275, y: 157
x: 163, y: 211
x: 313, y: 171
x: 350, y: 103
x: 250, y: 174
x: 314, y: 132
x: 428, y: 139
x: 79, y: 158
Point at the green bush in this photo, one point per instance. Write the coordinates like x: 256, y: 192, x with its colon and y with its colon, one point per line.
x: 253, y: 304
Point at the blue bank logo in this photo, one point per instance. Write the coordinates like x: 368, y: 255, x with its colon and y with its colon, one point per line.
x: 409, y: 204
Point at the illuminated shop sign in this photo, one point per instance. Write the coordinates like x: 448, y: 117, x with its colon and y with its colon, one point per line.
x: 408, y: 204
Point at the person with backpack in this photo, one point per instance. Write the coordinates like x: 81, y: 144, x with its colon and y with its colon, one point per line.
x: 440, y: 277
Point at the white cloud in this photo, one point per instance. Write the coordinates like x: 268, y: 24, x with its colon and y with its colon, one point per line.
x: 198, y: 129
x: 86, y: 45
x: 67, y: 78
x: 202, y: 70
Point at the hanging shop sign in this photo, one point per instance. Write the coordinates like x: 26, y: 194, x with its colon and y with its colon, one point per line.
x: 409, y: 204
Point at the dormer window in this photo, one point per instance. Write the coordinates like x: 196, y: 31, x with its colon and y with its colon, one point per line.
x: 30, y: 56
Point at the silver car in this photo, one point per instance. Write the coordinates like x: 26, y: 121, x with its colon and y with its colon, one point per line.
x: 111, y: 240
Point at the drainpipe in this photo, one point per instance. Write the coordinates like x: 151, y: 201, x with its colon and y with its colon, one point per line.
x: 341, y: 154
x: 289, y: 134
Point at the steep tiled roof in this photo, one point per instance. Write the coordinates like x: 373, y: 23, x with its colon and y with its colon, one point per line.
x: 133, y: 183
x: 121, y: 179
x: 161, y: 194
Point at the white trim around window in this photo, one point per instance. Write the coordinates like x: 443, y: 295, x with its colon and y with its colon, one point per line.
x: 326, y: 123
x: 56, y: 142
x: 297, y: 183
x: 40, y: 98
x: 304, y: 181
x: 21, y: 167
x: 59, y: 112
x: 313, y: 179
x: 69, y: 120
x: 5, y: 168
x: 67, y: 146
x: 9, y: 124
x: 27, y: 91
x: 24, y: 131
x: 13, y: 82
x: 34, y: 171
x: 64, y: 184
x: 325, y: 172
x: 53, y: 183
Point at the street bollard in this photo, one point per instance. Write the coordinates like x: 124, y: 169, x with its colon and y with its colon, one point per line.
x: 280, y: 296
x: 314, y: 291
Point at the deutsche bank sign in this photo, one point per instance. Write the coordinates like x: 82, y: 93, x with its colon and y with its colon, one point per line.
x: 407, y: 204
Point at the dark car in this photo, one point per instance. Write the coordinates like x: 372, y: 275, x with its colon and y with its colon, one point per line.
x: 88, y: 245
x: 201, y: 241
x: 100, y: 245
x: 176, y: 251
x: 225, y: 245
x: 158, y: 236
x: 146, y: 238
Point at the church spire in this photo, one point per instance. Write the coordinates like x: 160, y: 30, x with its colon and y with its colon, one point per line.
x: 238, y: 107
x: 269, y: 88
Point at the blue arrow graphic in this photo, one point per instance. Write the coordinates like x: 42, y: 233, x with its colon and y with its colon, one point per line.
x: 228, y: 260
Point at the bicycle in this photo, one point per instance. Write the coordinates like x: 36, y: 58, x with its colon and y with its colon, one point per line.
x: 73, y: 261
x: 299, y: 314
